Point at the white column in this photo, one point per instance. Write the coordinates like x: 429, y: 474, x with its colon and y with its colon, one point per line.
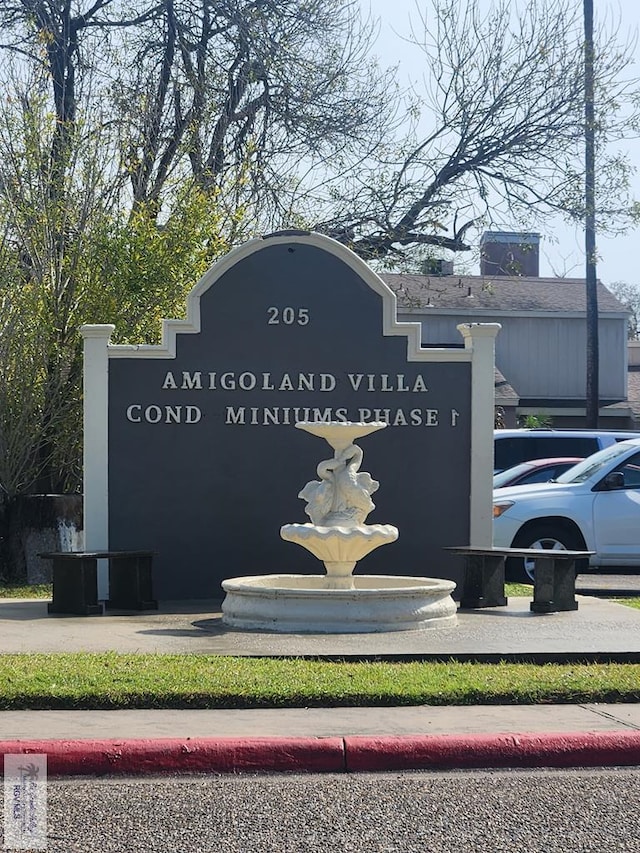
x: 95, y: 454
x: 480, y: 339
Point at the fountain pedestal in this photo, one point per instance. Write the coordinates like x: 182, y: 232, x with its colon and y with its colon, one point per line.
x: 339, y: 601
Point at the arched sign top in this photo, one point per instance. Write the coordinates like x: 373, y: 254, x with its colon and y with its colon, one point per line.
x: 193, y: 322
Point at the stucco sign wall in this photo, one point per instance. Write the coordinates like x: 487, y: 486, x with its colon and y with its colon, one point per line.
x: 191, y: 447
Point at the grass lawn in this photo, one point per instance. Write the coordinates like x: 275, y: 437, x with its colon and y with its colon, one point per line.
x: 630, y: 602
x: 39, y: 590
x: 202, y: 681
x: 110, y: 680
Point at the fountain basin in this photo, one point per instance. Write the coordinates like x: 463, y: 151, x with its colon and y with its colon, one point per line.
x: 339, y: 548
x: 304, y: 604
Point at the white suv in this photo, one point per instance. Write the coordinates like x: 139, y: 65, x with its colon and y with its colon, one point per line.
x: 594, y: 506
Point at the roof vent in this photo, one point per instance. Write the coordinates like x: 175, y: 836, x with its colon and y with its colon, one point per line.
x: 509, y: 253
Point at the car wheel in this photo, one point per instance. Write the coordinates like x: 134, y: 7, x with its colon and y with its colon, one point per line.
x: 548, y: 537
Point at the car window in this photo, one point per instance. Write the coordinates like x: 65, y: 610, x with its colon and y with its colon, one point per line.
x: 591, y: 466
x: 543, y: 475
x: 509, y: 474
x: 568, y: 445
x: 512, y: 450
x: 631, y: 470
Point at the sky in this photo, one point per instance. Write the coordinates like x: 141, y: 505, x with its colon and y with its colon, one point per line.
x: 618, y: 257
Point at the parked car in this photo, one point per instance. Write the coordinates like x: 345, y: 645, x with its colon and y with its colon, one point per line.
x: 535, y: 471
x: 512, y: 446
x: 594, y: 506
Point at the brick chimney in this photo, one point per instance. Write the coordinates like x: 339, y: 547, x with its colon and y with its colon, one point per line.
x: 509, y: 253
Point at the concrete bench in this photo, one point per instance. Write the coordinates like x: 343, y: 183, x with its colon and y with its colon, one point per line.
x: 554, y: 583
x: 75, y: 581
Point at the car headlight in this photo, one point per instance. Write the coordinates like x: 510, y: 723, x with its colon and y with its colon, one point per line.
x: 501, y: 506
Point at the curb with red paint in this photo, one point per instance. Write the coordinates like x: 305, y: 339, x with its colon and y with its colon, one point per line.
x: 184, y: 755
x: 453, y: 752
x: 331, y: 754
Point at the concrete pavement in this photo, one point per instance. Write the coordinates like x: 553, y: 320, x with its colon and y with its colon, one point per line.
x: 319, y: 722
x: 598, y: 630
x: 335, y: 739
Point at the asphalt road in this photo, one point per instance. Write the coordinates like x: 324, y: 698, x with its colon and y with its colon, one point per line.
x: 609, y: 582
x: 474, y: 812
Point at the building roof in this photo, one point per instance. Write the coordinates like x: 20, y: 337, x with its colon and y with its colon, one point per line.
x: 497, y: 293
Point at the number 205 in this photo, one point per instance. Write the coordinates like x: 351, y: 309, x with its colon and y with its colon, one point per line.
x: 287, y: 316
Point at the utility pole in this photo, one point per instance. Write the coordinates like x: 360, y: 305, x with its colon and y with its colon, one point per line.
x: 593, y: 356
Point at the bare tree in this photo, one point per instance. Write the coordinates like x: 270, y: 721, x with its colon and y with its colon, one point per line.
x: 242, y: 85
x: 274, y: 110
x: 629, y: 295
x: 231, y: 92
x: 500, y: 131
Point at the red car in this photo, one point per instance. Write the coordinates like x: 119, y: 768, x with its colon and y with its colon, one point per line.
x: 535, y: 471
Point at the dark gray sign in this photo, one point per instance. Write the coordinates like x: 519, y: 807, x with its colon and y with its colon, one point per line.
x: 205, y: 463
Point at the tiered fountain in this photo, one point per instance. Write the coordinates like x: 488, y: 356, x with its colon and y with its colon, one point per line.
x: 338, y: 601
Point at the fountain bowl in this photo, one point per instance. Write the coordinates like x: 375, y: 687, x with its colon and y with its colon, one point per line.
x: 305, y: 604
x: 339, y: 548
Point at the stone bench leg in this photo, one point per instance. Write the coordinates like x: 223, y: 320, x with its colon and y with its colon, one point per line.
x: 554, y: 585
x: 130, y: 583
x: 483, y: 584
x: 75, y: 587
